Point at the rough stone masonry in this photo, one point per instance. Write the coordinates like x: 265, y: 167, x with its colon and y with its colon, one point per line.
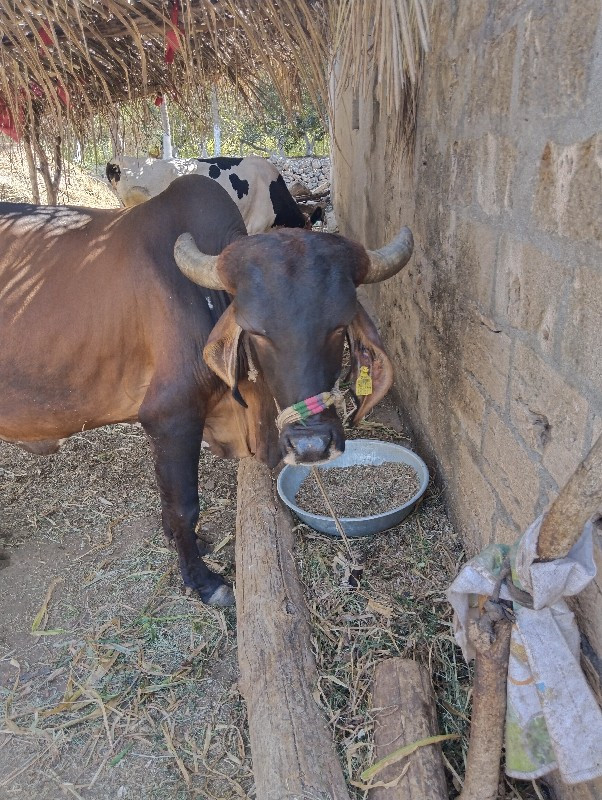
x: 496, y: 326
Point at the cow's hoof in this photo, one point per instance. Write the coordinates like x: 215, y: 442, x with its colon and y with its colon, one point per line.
x: 223, y: 596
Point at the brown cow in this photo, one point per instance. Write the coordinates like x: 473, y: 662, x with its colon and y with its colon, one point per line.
x: 113, y: 316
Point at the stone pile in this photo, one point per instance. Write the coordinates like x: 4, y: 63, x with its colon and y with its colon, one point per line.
x: 311, y: 171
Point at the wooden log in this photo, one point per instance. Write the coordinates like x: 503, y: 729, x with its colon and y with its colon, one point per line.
x: 404, y: 712
x: 577, y: 502
x: 293, y: 754
x: 304, y: 198
x: 488, y: 710
x: 561, y: 527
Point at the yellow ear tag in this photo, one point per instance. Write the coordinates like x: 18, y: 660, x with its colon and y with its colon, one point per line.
x: 363, y: 384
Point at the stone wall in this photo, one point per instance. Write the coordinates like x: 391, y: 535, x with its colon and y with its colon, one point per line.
x: 495, y: 327
x: 312, y: 172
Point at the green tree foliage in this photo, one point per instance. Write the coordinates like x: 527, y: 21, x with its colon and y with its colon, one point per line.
x: 269, y: 129
x: 263, y: 128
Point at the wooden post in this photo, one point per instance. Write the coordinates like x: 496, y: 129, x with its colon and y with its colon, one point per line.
x: 488, y: 710
x: 592, y: 790
x: 294, y: 757
x: 404, y: 712
x: 577, y: 502
x: 560, y: 529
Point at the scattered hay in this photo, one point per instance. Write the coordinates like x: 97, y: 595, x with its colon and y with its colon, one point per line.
x: 129, y: 688
x: 399, y: 610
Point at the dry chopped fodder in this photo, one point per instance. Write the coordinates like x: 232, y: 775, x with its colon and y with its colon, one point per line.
x: 361, y: 490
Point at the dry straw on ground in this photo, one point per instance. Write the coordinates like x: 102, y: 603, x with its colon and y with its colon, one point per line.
x: 132, y: 683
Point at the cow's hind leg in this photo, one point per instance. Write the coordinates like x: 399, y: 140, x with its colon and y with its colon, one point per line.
x: 176, y: 443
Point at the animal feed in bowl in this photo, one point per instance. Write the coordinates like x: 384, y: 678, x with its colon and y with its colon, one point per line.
x: 361, y: 490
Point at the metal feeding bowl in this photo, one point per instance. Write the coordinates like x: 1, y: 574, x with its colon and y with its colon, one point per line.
x: 357, y: 451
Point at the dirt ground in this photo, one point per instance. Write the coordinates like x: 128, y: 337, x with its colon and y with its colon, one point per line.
x: 77, y: 186
x: 123, y: 669
x: 115, y: 684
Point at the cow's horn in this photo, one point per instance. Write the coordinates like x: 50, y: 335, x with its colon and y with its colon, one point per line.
x: 389, y: 259
x: 197, y: 266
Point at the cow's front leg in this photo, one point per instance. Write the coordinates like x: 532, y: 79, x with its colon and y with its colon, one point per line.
x: 176, y: 444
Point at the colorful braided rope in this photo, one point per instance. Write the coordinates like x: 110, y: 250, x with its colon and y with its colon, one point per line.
x: 299, y: 412
x: 313, y: 405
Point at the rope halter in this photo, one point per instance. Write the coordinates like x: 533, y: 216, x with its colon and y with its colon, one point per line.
x: 298, y: 412
x: 301, y: 411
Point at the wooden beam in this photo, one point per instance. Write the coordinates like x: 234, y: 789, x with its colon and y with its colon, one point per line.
x: 403, y: 706
x: 294, y: 757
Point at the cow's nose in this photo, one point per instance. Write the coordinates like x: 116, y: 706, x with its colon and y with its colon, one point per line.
x: 304, y: 446
x: 309, y: 449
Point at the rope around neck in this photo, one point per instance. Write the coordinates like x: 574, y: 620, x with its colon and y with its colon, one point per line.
x: 251, y: 368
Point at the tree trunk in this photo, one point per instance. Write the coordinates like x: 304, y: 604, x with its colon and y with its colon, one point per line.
x: 33, y: 173
x: 293, y: 754
x: 309, y: 145
x: 217, y: 127
x: 404, y: 712
x: 167, y: 149
x: 116, y: 140
x: 50, y: 182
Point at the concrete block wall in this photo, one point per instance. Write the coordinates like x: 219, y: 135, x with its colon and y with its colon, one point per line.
x: 495, y: 327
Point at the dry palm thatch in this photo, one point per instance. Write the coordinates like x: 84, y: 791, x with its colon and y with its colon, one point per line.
x: 68, y: 59
x: 379, y: 48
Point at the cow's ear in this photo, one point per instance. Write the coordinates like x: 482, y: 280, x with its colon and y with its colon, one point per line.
x: 221, y: 351
x: 371, y: 371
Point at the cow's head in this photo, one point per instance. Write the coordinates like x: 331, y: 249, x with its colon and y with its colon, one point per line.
x: 294, y: 303
x: 317, y: 215
x: 113, y: 173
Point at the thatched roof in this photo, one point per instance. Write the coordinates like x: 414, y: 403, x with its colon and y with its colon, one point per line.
x: 72, y: 58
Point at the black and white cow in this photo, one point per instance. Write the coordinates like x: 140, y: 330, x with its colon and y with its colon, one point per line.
x: 254, y: 183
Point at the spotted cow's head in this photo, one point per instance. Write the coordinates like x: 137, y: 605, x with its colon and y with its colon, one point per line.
x: 294, y: 304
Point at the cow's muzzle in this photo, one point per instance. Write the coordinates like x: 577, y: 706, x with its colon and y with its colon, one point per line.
x: 314, y: 442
